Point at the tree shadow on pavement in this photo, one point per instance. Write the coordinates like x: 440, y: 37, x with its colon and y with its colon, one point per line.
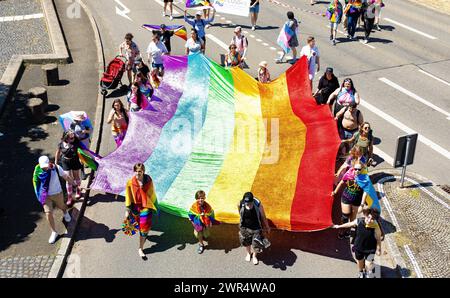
x: 21, y: 209
x: 89, y: 229
x: 104, y: 198
x: 176, y: 232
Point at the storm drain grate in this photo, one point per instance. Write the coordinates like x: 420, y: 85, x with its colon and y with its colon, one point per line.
x: 446, y: 188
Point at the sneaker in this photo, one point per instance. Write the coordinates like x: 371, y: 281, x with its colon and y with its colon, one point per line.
x: 164, y: 14
x: 334, y: 42
x: 378, y: 28
x: 278, y: 60
x: 361, y: 274
x: 253, y: 28
x: 365, y: 41
x: 200, y: 249
x: 255, y: 260
x: 349, y: 36
x: 67, y: 217
x: 248, y: 257
x: 331, y: 37
x: 171, y: 17
x: 208, y: 26
x: 142, y: 254
x: 78, y: 194
x: 53, y: 237
x: 70, y: 202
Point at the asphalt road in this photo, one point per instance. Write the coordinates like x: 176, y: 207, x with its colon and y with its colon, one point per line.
x: 412, y: 39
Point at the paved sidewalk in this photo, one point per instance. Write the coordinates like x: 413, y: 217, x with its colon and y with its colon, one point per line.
x: 419, y: 223
x: 24, y: 232
x: 24, y: 36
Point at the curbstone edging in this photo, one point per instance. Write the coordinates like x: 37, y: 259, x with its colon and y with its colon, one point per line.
x: 392, y: 244
x: 66, y: 246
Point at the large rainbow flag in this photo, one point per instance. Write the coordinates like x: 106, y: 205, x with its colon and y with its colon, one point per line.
x: 221, y: 131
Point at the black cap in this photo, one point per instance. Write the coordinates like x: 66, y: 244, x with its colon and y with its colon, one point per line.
x: 163, y: 26
x: 248, y: 197
x: 329, y: 69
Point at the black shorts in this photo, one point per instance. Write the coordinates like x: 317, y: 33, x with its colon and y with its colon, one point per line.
x: 364, y: 255
x: 165, y: 1
x: 71, y: 164
x: 356, y: 202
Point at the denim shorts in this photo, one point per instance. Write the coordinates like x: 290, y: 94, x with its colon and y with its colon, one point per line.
x: 159, y: 66
x: 255, y: 9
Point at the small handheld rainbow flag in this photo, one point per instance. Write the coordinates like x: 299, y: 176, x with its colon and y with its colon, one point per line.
x: 195, y: 3
x: 178, y: 30
x: 87, y: 158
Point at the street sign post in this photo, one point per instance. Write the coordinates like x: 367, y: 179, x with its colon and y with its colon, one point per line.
x: 404, y: 155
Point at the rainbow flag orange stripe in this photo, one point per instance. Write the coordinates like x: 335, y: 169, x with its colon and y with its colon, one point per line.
x: 231, y: 134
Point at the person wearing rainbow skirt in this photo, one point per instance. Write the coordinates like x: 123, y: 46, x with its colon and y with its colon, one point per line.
x: 140, y: 202
x: 202, y: 218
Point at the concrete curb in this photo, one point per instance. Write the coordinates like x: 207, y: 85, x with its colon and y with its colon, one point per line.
x: 14, y: 71
x: 390, y: 240
x: 60, y: 263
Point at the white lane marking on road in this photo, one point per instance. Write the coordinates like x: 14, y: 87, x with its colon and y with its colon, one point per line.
x: 273, y: 49
x: 124, y: 11
x: 258, y: 40
x: 406, y: 129
x: 386, y: 203
x: 229, y: 22
x: 383, y: 155
x: 367, y: 45
x: 413, y: 261
x: 222, y: 18
x: 246, y: 32
x: 434, y: 77
x: 174, y: 11
x: 265, y: 44
x: 21, y: 17
x: 217, y: 41
x: 252, y: 36
x: 415, y: 96
x: 410, y: 28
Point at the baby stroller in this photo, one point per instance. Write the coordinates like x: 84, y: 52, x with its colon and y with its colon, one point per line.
x: 113, y: 75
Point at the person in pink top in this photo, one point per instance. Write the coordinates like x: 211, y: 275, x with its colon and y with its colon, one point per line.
x: 263, y: 72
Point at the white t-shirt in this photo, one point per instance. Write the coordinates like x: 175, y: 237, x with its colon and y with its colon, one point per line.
x: 54, y: 187
x: 156, y: 51
x: 311, y: 54
x: 370, y: 11
x: 240, y: 42
x: 194, y: 46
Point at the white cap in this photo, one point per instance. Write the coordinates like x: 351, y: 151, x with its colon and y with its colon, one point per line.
x: 198, y: 13
x: 44, y: 161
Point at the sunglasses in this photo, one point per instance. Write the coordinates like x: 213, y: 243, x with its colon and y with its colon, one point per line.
x: 357, y: 169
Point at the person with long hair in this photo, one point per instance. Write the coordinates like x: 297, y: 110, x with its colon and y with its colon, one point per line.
x: 140, y: 202
x: 344, y: 95
x: 352, y: 196
x: 67, y: 153
x: 118, y: 117
x: 145, y: 86
x: 136, y: 100
x: 233, y: 57
x: 194, y: 44
x: 363, y: 140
